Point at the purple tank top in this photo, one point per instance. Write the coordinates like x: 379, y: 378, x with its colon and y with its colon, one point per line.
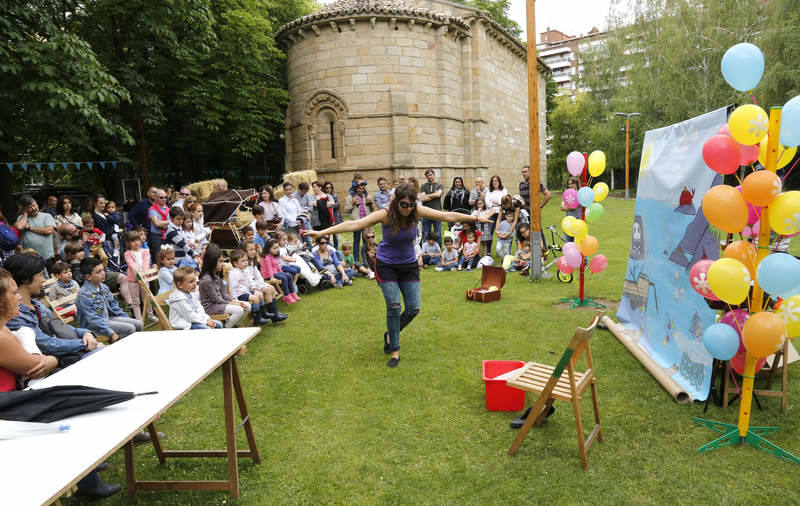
x: 397, y: 248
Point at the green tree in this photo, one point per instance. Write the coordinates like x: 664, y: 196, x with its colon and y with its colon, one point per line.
x: 780, y: 42
x: 55, y: 94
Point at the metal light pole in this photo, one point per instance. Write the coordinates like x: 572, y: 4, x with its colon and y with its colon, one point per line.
x: 628, y: 116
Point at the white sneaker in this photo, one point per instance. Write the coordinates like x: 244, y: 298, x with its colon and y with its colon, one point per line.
x: 459, y: 267
x: 371, y: 275
x: 438, y: 269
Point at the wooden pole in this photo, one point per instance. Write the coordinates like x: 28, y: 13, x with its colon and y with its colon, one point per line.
x: 758, y: 293
x: 533, y: 139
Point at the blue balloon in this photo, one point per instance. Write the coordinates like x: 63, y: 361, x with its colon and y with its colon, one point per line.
x: 790, y: 123
x: 721, y: 341
x: 585, y: 196
x: 743, y: 66
x: 778, y: 274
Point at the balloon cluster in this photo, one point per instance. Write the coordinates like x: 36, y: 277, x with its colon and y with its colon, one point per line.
x: 738, y: 211
x: 585, y: 245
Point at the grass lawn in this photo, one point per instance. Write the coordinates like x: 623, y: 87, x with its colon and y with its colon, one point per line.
x: 335, y: 425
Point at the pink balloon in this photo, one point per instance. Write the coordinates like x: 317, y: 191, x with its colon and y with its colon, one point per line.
x: 574, y: 257
x: 748, y: 154
x: 722, y: 154
x: 698, y: 278
x: 598, y: 263
x: 575, y: 163
x: 747, y: 232
x: 570, y: 198
x: 755, y: 228
x: 563, y: 266
x: 736, y: 319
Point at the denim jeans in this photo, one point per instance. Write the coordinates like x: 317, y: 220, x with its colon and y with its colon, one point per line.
x: 429, y: 260
x: 449, y: 267
x: 200, y: 326
x: 469, y: 263
x: 357, y: 245
x: 304, y: 221
x: 427, y: 224
x: 124, y: 326
x: 395, y: 319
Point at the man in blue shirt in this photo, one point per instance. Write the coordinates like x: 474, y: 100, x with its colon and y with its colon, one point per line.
x: 98, y: 309
x: 382, y: 197
x: 27, y: 273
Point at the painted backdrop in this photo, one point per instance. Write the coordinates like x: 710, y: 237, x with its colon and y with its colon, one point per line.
x: 670, y: 234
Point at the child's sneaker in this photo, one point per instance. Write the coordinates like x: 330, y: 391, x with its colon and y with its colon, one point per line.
x: 371, y: 275
x: 438, y: 269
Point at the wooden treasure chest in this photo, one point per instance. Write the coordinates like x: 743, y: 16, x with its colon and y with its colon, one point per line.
x: 492, y: 281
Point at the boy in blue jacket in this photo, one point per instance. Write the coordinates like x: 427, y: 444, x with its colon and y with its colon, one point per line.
x: 98, y: 310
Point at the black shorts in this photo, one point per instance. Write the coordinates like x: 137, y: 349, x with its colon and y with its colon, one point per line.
x: 397, y: 273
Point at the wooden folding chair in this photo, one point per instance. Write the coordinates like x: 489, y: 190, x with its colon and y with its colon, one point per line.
x: 561, y: 382
x: 159, y: 302
x: 779, y: 361
x: 63, y: 306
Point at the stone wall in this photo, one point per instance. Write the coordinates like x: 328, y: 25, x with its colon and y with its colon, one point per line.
x: 395, y: 96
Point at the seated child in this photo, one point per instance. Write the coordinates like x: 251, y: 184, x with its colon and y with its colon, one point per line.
x: 449, y: 258
x: 295, y: 247
x: 431, y: 252
x: 65, y: 285
x: 213, y: 295
x: 370, y: 255
x: 247, y: 234
x: 262, y: 235
x: 350, y: 261
x: 184, y: 255
x: 98, y: 310
x: 455, y: 231
x: 522, y: 261
x: 271, y: 270
x: 166, y: 266
x: 469, y: 253
x: 185, y: 310
x: 291, y: 262
x: 505, y: 234
x: 242, y: 287
x: 73, y: 255
x: 258, y: 215
x: 269, y: 308
x: 95, y: 238
x: 369, y: 240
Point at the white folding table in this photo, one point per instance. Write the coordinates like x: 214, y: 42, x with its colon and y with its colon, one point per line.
x: 39, y: 469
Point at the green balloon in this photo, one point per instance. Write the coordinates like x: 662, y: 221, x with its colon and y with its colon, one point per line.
x: 594, y: 212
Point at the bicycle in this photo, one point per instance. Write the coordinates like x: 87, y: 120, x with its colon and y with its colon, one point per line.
x: 556, y: 245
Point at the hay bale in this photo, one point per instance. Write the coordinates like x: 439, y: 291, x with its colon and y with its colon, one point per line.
x: 205, y: 188
x: 243, y: 218
x: 296, y: 178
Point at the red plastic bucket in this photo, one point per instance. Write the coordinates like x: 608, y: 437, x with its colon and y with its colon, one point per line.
x: 499, y: 396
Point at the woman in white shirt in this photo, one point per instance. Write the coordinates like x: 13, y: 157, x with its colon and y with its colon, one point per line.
x: 493, y: 200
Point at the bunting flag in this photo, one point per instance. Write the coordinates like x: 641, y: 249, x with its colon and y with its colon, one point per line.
x: 102, y: 165
x: 51, y: 166
x: 38, y: 166
x: 64, y: 164
x: 9, y: 165
x: 24, y: 167
x: 114, y: 164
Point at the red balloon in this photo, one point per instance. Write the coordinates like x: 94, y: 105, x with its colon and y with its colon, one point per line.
x: 737, y: 363
x: 722, y: 154
x: 563, y: 266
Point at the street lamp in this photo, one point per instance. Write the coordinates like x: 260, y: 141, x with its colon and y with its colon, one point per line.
x: 628, y: 116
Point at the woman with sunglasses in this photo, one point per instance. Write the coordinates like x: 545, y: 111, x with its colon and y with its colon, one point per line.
x: 337, y: 213
x: 396, y: 268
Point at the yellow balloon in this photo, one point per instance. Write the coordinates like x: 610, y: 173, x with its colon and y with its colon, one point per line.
x: 748, y: 124
x: 597, y: 163
x: 579, y: 230
x: 566, y: 224
x: 589, y: 245
x: 600, y: 192
x: 784, y: 213
x: 729, y: 279
x: 789, y: 311
x: 785, y: 155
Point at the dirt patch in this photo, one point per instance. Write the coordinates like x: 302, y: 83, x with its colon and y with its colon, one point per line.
x: 611, y: 306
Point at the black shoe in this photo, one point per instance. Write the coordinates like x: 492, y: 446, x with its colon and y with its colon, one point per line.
x: 519, y: 421
x: 392, y: 362
x: 258, y: 320
x: 265, y: 314
x: 102, y: 467
x: 144, y: 437
x: 279, y: 317
x: 386, y: 346
x: 99, y: 491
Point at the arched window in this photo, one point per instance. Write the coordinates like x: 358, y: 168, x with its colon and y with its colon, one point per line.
x: 325, y: 116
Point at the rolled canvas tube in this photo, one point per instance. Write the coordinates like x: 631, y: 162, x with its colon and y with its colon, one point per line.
x: 670, y: 385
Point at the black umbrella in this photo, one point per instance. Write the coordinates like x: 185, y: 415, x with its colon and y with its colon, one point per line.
x: 59, y: 402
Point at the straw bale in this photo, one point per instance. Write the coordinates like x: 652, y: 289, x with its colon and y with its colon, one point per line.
x: 295, y: 178
x: 243, y: 218
x: 205, y: 188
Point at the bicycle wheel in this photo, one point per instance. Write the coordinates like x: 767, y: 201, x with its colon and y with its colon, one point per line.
x: 564, y: 278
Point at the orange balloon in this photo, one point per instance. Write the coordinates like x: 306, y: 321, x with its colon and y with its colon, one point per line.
x: 725, y: 208
x: 761, y: 187
x: 763, y: 334
x: 744, y: 252
x: 589, y: 245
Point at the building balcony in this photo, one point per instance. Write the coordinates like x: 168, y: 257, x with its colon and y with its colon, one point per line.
x: 555, y: 51
x: 562, y: 78
x: 560, y: 63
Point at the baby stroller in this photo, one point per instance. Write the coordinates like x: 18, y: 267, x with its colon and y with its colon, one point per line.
x: 219, y: 214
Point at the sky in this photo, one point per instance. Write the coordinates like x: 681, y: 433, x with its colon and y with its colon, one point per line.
x: 572, y: 17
